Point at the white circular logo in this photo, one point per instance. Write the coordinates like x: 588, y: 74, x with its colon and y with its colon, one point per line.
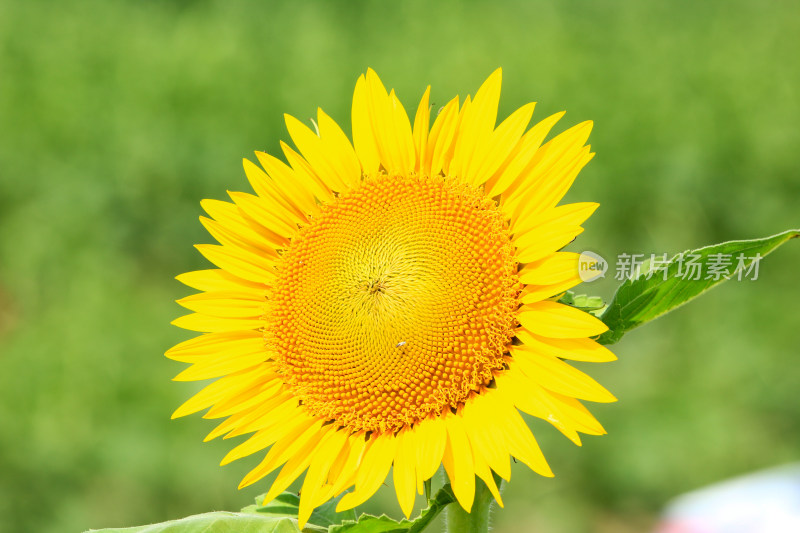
x: 591, y: 267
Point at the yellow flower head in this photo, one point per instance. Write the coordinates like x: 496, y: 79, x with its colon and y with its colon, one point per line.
x: 388, y: 303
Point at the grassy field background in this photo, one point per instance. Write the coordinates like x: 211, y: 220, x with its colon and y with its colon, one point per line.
x: 117, y: 118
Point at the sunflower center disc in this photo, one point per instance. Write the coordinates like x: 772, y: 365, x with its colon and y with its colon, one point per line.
x: 395, y: 303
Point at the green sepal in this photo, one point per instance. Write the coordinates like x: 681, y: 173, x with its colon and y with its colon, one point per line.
x: 288, y: 504
x: 584, y: 302
x: 383, y: 524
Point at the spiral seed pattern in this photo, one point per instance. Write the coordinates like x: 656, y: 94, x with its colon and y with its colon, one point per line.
x: 395, y: 303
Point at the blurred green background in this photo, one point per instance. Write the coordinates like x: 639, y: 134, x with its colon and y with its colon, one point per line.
x: 117, y: 118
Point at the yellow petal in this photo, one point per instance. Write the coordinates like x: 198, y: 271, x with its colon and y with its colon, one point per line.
x: 458, y: 462
x: 529, y: 397
x: 558, y: 182
x: 224, y: 427
x: 575, y: 349
x: 211, y: 343
x: 278, y: 410
x: 559, y: 321
x: 540, y: 189
x: 522, y: 444
x: 264, y: 438
x: 363, y: 135
x: 225, y: 304
x: 556, y: 375
x: 556, y: 154
x: 270, y: 391
x: 238, y: 262
x: 292, y: 469
x: 313, y: 150
x: 212, y: 324
x: 536, y: 293
x: 553, y: 269
x: 433, y: 432
x: 335, y: 473
x: 243, y: 238
x: 258, y: 210
x: 292, y: 445
x: 447, y: 158
x: 568, y: 215
x: 221, y: 366
x: 579, y: 414
x: 507, y: 179
x: 421, y: 128
x: 379, y: 114
x: 566, y: 414
x: 338, y: 150
x: 575, y: 136
x: 391, y: 127
x: 372, y: 471
x: 261, y: 391
x: 490, y: 155
x: 215, y: 279
x: 210, y: 394
x: 403, y: 471
x: 231, y: 217
x: 544, y: 241
x: 267, y: 189
x: 404, y: 137
x: 482, y: 471
x: 477, y: 125
x: 344, y: 476
x: 306, y: 175
x: 289, y: 184
x: 441, y: 138
x: 240, y: 229
x: 329, y: 447
x: 222, y: 211
x: 480, y: 416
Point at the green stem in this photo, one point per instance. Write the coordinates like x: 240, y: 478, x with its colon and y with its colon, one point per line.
x: 477, y: 521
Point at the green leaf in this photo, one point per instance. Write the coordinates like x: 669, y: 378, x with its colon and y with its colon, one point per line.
x: 383, y: 524
x: 640, y: 300
x: 279, y: 516
x: 217, y: 522
x: 287, y: 504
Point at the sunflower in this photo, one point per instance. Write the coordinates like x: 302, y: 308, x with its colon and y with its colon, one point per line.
x: 390, y: 303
